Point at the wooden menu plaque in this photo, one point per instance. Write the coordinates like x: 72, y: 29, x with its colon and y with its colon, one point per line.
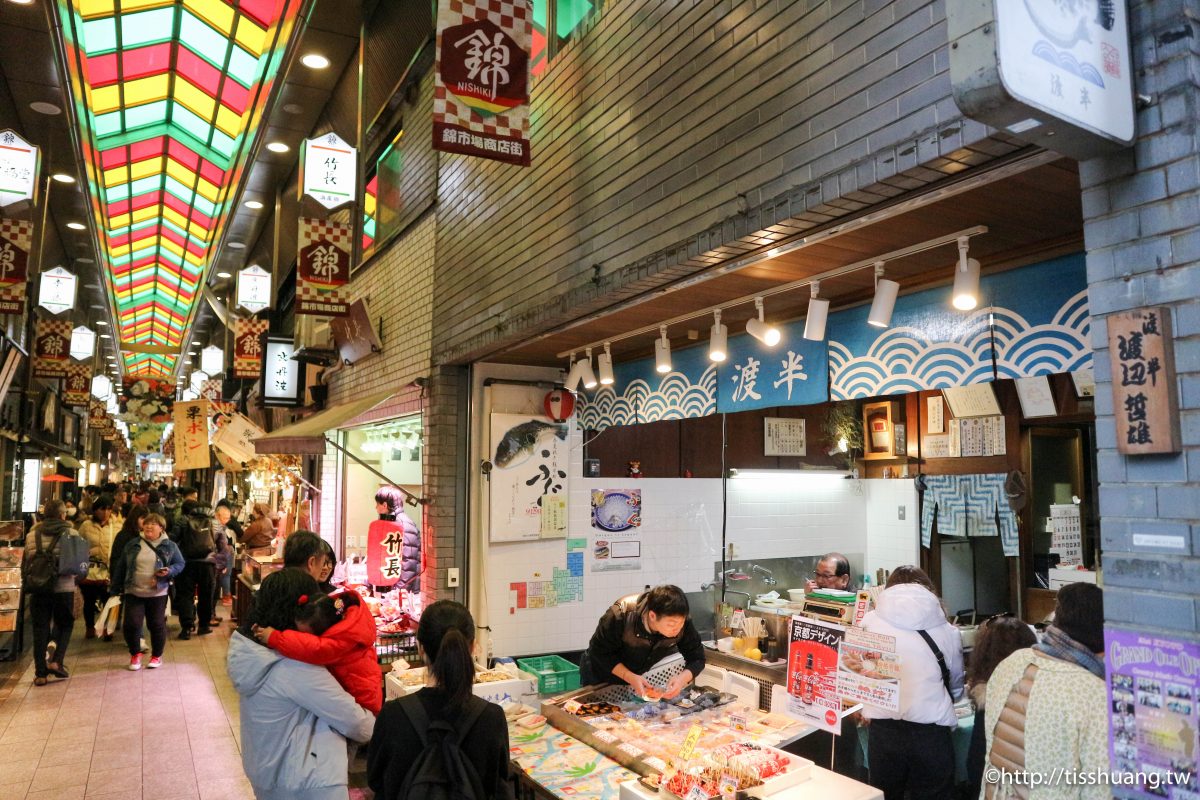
x: 1145, y: 404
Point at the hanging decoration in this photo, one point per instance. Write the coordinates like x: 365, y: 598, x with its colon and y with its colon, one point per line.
x: 18, y: 168
x: 191, y: 435
x: 559, y: 404
x: 248, y: 346
x: 481, y: 79
x: 51, y: 346
x: 212, y: 360
x: 146, y: 437
x: 16, y: 237
x: 83, y: 343
x: 147, y: 400
x: 56, y: 290
x: 323, y: 267
x: 77, y: 385
x: 210, y: 389
x: 254, y: 289
x: 329, y: 171
x: 101, y: 387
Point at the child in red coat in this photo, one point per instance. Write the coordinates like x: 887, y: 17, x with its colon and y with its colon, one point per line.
x: 335, y: 631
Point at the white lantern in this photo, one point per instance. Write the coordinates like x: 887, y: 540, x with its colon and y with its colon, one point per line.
x: 197, y: 381
x: 190, y: 394
x: 254, y: 289
x: 212, y: 360
x: 19, y: 166
x: 114, y: 404
x: 83, y: 343
x: 56, y: 290
x: 101, y: 387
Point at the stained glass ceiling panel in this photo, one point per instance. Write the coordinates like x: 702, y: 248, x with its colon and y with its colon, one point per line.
x: 168, y: 96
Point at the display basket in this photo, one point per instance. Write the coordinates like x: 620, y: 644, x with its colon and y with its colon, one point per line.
x: 392, y: 647
x: 554, y: 673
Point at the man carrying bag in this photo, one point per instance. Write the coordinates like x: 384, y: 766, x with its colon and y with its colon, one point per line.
x: 54, y: 557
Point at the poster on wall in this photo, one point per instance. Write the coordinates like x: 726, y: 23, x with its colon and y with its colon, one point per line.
x: 529, y: 457
x: 1066, y: 538
x: 869, y: 669
x: 1153, y: 700
x: 812, y: 677
x: 617, y: 522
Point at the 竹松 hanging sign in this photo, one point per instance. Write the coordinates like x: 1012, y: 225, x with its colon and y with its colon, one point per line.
x: 191, y: 435
x: 77, y: 386
x: 323, y: 267
x: 248, y: 347
x: 51, y: 346
x: 15, y: 238
x: 1142, y: 355
x: 254, y: 289
x: 18, y: 169
x: 481, y: 74
x: 328, y: 170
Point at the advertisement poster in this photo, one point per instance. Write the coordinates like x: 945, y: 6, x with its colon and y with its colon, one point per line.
x: 869, y: 670
x: 1152, y: 701
x: 529, y: 464
x: 617, y: 520
x: 812, y: 678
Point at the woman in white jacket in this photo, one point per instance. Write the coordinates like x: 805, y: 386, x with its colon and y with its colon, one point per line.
x: 910, y: 750
x: 295, y: 718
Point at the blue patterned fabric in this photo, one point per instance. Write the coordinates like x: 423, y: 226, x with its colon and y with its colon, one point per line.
x: 968, y: 505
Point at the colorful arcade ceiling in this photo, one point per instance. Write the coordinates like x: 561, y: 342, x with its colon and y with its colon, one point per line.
x: 168, y: 95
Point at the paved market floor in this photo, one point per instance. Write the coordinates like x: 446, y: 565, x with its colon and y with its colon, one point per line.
x: 111, y: 734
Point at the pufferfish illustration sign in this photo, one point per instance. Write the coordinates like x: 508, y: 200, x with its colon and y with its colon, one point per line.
x: 528, y: 479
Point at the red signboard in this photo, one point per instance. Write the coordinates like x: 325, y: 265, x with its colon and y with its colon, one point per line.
x: 51, y: 348
x: 385, y: 552
x: 15, y: 239
x: 323, y: 267
x: 248, y: 346
x: 77, y: 386
x: 481, y: 89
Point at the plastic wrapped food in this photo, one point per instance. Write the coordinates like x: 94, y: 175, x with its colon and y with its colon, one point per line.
x: 750, y: 759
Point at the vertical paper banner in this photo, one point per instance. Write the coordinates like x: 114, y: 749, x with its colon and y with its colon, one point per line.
x: 248, y: 347
x: 51, y: 348
x: 77, y: 387
x: 191, y: 435
x: 323, y: 267
x: 15, y: 239
x: 481, y: 88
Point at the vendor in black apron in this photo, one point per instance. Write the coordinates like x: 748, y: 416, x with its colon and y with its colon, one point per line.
x: 636, y: 633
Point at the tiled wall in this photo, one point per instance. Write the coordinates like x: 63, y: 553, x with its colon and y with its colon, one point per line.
x: 892, y: 541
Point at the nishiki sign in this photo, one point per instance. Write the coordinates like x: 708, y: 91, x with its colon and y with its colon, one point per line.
x: 324, y: 267
x: 481, y: 94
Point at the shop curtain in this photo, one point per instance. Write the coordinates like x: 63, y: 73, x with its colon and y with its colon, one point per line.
x: 968, y: 505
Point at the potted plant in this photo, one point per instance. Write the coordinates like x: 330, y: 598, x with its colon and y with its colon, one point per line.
x: 843, y: 431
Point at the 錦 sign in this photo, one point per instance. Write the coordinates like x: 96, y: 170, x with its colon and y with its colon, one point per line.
x: 1145, y: 406
x: 247, y: 346
x: 323, y: 267
x: 481, y: 89
x: 51, y: 346
x: 15, y: 238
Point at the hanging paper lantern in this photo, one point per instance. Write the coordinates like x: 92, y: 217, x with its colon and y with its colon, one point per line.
x: 212, y: 360
x: 101, y: 387
x: 83, y: 343
x: 198, y: 379
x: 559, y: 405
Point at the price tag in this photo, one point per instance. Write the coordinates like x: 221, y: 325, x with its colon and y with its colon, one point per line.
x: 728, y: 784
x: 689, y: 744
x: 657, y: 763
x: 739, y: 620
x: 739, y: 721
x: 604, y: 736
x: 697, y: 793
x: 572, y: 706
x: 631, y: 750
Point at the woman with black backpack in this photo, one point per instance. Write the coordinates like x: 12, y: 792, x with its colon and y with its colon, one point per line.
x: 406, y: 758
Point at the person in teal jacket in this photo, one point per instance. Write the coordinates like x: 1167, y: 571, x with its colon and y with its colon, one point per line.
x: 141, y: 575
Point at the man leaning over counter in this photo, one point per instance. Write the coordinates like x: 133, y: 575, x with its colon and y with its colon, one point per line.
x: 637, y: 632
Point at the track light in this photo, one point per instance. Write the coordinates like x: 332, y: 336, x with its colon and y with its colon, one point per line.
x: 759, y: 329
x: 718, y: 339
x: 885, y: 299
x: 574, y: 374
x: 662, y: 352
x: 818, y: 312
x: 604, y: 364
x: 586, y: 373
x: 965, y: 295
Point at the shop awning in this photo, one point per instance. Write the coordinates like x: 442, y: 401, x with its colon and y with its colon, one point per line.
x: 70, y: 462
x: 307, y: 436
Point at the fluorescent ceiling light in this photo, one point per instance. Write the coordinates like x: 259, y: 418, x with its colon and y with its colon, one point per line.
x: 253, y: 204
x: 76, y: 226
x: 63, y: 177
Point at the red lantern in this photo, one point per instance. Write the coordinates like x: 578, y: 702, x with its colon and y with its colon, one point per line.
x: 559, y: 405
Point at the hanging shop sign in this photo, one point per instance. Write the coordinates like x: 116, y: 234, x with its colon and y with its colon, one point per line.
x: 1057, y: 75
x: 191, y: 435
x: 211, y: 389
x: 77, y: 385
x: 354, y: 335
x: 51, y: 348
x: 1154, y: 711
x: 794, y: 372
x: 212, y: 360
x: 16, y: 237
x: 248, y: 346
x: 18, y: 168
x: 323, y: 267
x: 96, y: 415
x: 56, y: 290
x: 281, y: 373
x: 101, y: 387
x: 385, y: 552
x: 812, y: 673
x: 481, y: 88
x: 329, y: 169
x: 83, y: 343
x: 254, y: 289
x: 236, y: 438
x: 1142, y: 358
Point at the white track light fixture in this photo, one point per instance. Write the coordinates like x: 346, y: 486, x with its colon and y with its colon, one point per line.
x: 574, y: 375
x: 759, y: 329
x: 662, y: 352
x: 818, y: 313
x: 604, y: 364
x: 885, y: 299
x: 718, y: 339
x: 586, y: 372
x: 966, y: 279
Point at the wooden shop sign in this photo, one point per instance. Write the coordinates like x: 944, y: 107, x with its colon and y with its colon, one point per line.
x: 1145, y: 404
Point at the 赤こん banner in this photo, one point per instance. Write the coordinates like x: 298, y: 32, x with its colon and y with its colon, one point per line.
x: 481, y: 79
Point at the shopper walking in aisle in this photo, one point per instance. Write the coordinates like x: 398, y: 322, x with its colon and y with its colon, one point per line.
x: 223, y: 533
x: 410, y: 727
x: 295, y: 719
x: 51, y: 612
x: 100, y: 534
x: 194, y: 586
x: 129, y: 531
x: 996, y: 640
x: 141, y: 574
x: 1047, y: 705
x: 910, y: 750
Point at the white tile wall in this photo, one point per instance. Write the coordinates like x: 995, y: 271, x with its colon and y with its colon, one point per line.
x: 890, y: 540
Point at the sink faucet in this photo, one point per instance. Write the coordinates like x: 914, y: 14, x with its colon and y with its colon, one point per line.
x: 768, y: 578
x: 735, y: 591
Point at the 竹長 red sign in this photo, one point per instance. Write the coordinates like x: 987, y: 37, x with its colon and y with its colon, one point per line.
x: 385, y: 552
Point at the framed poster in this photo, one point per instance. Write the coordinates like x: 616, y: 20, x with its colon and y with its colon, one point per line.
x: 529, y: 456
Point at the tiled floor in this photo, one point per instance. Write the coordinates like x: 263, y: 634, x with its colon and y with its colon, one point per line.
x: 111, y: 734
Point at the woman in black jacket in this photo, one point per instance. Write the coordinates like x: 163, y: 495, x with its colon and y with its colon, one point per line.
x: 445, y: 637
